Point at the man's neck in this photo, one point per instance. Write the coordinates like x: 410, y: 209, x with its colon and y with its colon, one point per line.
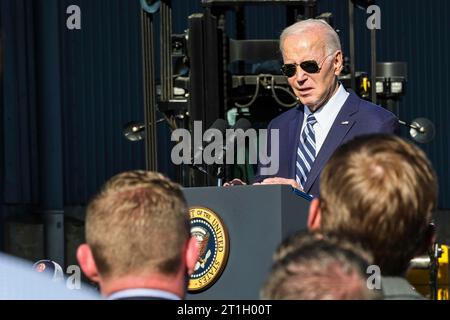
x: 172, y: 284
x: 329, y: 96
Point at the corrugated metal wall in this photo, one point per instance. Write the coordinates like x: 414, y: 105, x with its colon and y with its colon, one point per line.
x: 102, y: 90
x: 419, y: 32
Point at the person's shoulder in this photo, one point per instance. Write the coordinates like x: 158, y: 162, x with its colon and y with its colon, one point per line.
x: 280, y: 120
x: 20, y: 282
x: 398, y: 288
x: 371, y: 118
x: 374, y: 111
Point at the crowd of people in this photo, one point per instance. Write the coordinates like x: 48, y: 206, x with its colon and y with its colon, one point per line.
x: 376, y: 211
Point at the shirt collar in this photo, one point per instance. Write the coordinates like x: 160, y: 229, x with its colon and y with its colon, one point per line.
x: 143, y: 292
x: 326, y: 114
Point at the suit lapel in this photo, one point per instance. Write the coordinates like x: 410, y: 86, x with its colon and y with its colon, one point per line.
x: 341, y: 126
x: 295, y: 125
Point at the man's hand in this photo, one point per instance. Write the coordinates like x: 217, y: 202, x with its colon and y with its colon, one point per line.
x: 291, y: 182
x: 234, y: 182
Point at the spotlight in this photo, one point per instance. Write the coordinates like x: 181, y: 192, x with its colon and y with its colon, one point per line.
x: 421, y: 130
x: 134, y: 131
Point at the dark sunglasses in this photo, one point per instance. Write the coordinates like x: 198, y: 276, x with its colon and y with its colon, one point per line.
x: 310, y: 66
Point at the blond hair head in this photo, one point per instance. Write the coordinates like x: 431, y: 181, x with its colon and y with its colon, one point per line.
x: 139, y: 222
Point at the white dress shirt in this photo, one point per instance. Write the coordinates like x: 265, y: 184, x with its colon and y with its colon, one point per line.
x: 19, y: 281
x: 326, y: 115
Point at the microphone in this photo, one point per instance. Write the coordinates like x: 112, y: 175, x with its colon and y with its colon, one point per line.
x: 220, y: 125
x: 231, y: 136
x: 242, y: 124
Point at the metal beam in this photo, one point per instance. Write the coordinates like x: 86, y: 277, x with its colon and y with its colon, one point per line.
x: 149, y: 91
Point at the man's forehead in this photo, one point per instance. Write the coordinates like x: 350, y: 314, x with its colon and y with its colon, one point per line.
x: 307, y: 40
x: 302, y: 45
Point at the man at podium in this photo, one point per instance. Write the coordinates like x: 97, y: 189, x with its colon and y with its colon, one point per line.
x: 326, y: 116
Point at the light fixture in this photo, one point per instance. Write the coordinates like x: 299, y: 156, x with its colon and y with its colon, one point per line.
x: 134, y: 131
x: 391, y: 79
x: 421, y: 130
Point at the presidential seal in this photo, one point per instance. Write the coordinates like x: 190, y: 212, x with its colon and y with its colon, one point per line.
x: 212, y: 236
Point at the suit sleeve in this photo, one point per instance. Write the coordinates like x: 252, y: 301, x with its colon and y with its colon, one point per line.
x: 258, y: 177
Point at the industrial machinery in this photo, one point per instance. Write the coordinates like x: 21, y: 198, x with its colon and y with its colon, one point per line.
x: 430, y: 274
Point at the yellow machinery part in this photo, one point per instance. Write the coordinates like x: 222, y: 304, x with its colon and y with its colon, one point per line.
x: 420, y: 278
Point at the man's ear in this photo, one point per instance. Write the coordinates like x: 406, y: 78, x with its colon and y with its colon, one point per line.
x: 87, y: 263
x: 338, y: 63
x: 191, y: 254
x: 314, y: 217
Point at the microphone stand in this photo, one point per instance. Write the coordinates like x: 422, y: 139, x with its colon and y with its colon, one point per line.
x: 412, y: 126
x: 220, y: 175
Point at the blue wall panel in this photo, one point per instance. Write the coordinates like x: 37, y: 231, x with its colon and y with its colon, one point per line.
x: 19, y: 165
x: 102, y: 77
x: 418, y: 32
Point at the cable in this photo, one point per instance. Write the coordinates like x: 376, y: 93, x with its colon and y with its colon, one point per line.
x: 274, y: 94
x: 255, y: 95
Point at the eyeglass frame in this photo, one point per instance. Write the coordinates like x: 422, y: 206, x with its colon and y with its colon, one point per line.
x: 318, y: 65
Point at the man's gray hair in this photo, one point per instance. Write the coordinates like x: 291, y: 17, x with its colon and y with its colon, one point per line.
x: 331, y: 38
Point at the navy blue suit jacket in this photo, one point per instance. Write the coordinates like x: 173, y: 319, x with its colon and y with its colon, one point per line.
x: 357, y: 117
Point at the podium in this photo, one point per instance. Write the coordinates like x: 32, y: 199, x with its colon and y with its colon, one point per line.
x: 257, y: 219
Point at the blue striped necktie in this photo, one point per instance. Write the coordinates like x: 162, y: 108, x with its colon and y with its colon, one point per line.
x: 306, y: 151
